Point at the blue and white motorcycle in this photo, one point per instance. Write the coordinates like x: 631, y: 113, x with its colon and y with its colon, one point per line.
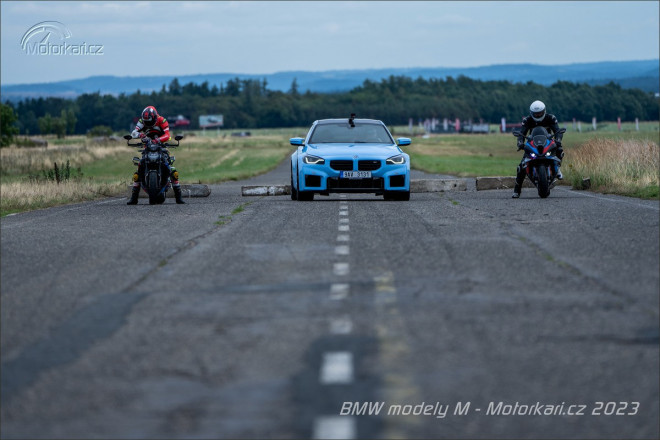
x: 540, y: 159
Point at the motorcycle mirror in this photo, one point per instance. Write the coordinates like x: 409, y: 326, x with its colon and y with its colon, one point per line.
x: 178, y: 138
x: 128, y: 137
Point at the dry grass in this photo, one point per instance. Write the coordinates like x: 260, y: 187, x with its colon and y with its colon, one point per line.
x: 32, y: 160
x: 27, y: 195
x: 19, y: 193
x: 629, y: 167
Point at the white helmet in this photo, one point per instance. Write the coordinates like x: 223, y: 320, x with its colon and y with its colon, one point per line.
x: 537, y: 111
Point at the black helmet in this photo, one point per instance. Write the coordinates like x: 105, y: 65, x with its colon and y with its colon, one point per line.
x: 149, y: 116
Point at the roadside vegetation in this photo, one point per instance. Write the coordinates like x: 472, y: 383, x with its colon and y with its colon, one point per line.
x: 81, y: 170
x: 615, y: 162
x: 251, y: 103
x: 617, y: 166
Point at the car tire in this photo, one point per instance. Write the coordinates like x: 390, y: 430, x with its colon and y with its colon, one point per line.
x: 294, y: 192
x: 402, y: 196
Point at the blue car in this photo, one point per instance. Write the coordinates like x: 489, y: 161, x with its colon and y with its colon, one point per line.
x: 349, y: 156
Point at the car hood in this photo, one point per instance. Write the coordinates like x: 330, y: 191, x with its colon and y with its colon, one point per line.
x: 361, y: 150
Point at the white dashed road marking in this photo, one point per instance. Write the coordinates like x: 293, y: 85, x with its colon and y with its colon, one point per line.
x: 335, y: 427
x: 341, y: 326
x: 338, y: 291
x: 341, y: 269
x: 337, y: 368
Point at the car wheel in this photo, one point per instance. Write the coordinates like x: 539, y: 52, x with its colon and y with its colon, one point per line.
x: 402, y: 196
x: 294, y: 192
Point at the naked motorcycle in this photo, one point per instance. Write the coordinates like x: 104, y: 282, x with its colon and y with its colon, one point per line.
x: 155, y: 175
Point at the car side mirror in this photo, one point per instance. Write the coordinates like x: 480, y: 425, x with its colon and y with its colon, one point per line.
x: 402, y: 142
x: 298, y: 142
x: 178, y: 138
x: 128, y: 137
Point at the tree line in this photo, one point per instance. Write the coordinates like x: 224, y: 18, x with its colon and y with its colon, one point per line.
x: 251, y: 104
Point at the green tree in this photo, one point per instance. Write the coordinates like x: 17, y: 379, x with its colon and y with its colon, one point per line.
x: 45, y: 124
x: 294, y: 87
x: 7, y: 125
x: 71, y: 120
x: 59, y: 125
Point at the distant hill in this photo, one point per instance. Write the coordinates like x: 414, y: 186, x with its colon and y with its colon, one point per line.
x: 629, y: 74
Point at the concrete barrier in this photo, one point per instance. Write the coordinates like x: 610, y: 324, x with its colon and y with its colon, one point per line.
x: 437, y: 185
x: 485, y: 183
x: 194, y: 190
x: 267, y: 190
x: 416, y: 186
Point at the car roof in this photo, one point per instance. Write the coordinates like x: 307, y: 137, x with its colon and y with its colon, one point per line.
x: 345, y: 120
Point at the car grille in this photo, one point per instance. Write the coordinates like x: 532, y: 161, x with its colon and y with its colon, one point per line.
x: 368, y: 165
x: 341, y: 165
x: 334, y: 183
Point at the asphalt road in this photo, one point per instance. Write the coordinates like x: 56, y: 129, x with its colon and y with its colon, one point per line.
x: 197, y: 321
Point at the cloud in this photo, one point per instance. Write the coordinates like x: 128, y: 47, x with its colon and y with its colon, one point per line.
x: 265, y: 37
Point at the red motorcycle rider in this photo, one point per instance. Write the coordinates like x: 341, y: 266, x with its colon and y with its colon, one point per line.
x: 155, y: 127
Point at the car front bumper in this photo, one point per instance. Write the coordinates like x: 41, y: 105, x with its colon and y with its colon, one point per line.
x: 325, y: 179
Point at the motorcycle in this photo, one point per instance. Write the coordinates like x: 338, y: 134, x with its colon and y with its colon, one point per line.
x: 540, y: 159
x: 155, y: 171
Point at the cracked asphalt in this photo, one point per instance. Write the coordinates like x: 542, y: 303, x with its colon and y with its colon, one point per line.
x: 199, y: 321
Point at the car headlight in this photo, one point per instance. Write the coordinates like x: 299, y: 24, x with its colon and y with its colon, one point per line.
x: 313, y: 160
x: 396, y: 160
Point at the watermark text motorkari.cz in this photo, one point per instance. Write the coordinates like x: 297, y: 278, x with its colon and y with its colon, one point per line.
x: 50, y: 38
x: 442, y: 410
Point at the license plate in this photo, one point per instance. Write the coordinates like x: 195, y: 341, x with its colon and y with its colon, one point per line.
x: 355, y: 174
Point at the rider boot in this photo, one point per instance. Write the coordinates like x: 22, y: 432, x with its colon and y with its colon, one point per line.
x: 560, y: 155
x: 176, y: 187
x: 520, y: 178
x: 177, y: 194
x: 134, y: 196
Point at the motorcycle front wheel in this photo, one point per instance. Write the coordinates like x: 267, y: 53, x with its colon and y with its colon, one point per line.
x: 153, y: 188
x: 543, y: 185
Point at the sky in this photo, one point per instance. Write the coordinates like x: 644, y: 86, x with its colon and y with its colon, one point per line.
x: 181, y: 38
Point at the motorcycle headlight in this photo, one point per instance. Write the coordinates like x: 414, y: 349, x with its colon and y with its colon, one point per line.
x: 153, y: 157
x: 314, y: 160
x: 532, y: 154
x: 547, y: 154
x: 396, y: 160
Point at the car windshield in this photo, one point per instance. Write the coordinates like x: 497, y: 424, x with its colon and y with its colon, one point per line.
x: 342, y: 132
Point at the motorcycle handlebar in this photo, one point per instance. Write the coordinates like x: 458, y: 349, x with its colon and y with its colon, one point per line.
x: 144, y: 140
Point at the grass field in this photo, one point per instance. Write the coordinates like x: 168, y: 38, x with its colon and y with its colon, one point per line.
x: 107, y: 170
x: 467, y: 155
x: 495, y: 154
x: 101, y: 170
